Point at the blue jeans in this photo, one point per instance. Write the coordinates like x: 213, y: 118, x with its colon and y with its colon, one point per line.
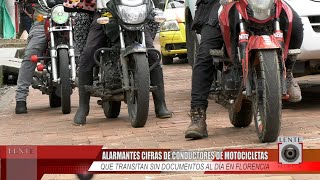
x: 26, y: 23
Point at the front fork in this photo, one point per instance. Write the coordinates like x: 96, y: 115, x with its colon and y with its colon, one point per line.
x: 124, y: 60
x: 53, y: 54
x: 279, y: 36
x: 246, y: 65
x: 72, y: 53
x: 242, y: 51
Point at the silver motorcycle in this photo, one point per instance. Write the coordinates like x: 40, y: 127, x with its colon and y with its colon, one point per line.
x: 56, y: 70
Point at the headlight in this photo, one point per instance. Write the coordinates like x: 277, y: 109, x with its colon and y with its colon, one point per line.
x: 132, y: 2
x: 261, y: 8
x: 58, y: 15
x: 133, y: 15
x: 170, y: 26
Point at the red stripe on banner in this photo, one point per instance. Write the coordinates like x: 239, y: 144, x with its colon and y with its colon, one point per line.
x: 3, y: 173
x: 66, y: 159
x: 78, y: 159
x: 68, y: 152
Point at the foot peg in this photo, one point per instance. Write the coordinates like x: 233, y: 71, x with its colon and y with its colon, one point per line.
x: 292, y: 52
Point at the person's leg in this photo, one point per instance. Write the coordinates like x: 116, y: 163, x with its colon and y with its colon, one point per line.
x: 95, y: 40
x: 296, y: 39
x: 28, y: 24
x: 37, y: 43
x: 202, y: 75
x: 21, y: 26
x: 202, y: 79
x: 156, y: 77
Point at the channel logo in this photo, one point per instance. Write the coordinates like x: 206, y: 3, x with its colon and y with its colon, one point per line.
x: 290, y: 150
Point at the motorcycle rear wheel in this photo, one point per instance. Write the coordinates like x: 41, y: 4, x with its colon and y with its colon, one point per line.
x: 267, y: 101
x: 54, y: 100
x: 111, y: 109
x: 243, y: 118
x: 137, y: 97
x: 65, y: 81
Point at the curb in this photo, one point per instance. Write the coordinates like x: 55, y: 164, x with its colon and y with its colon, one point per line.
x: 7, y: 70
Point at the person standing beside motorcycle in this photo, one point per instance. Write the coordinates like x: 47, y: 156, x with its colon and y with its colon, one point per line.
x: 26, y: 11
x: 206, y: 23
x: 96, y: 39
x: 36, y: 45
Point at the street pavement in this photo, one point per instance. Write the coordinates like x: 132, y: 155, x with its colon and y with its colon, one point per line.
x: 48, y: 126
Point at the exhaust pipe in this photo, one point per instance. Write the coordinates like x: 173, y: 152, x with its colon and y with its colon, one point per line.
x: 36, y: 83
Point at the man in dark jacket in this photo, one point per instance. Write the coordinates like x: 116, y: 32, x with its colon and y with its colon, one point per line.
x: 206, y: 23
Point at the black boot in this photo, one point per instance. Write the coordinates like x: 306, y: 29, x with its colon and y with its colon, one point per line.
x: 85, y: 78
x: 156, y: 77
x: 21, y: 107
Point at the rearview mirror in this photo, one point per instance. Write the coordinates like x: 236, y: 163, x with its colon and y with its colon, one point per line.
x: 162, y: 5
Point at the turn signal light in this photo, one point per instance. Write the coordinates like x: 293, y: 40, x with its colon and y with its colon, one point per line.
x: 34, y: 58
x: 40, y: 18
x: 40, y: 67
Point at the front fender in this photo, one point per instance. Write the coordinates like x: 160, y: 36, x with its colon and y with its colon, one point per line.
x: 263, y: 42
x: 62, y: 46
x: 134, y: 48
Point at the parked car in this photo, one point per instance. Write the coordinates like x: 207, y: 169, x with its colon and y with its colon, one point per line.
x: 309, y: 11
x: 172, y: 32
x: 309, y: 59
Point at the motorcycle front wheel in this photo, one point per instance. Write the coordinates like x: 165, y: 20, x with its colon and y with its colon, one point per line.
x: 138, y: 96
x: 266, y: 99
x: 65, y: 81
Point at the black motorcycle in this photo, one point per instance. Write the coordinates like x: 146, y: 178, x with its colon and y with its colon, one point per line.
x: 122, y: 73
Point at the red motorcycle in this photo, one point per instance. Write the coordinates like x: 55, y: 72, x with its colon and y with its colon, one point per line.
x: 250, y: 79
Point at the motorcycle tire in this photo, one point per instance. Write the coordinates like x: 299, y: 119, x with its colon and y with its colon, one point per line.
x: 244, y: 117
x: 65, y: 81
x: 85, y: 176
x: 267, y: 99
x: 137, y: 97
x: 111, y: 109
x: 54, y: 100
x: 166, y: 60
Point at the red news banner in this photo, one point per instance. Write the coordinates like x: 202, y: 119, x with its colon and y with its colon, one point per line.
x: 20, y: 162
